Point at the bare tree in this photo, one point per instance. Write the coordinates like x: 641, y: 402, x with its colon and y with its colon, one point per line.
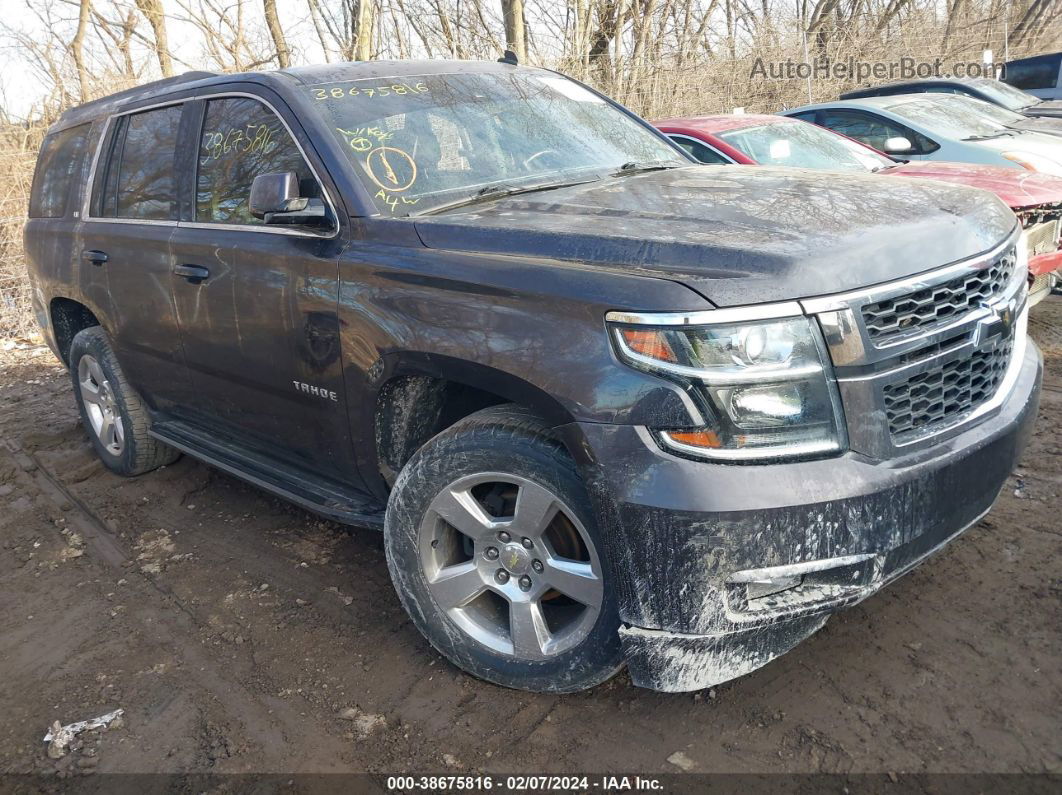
x: 269, y: 8
x: 365, y: 19
x: 153, y: 12
x: 515, y: 34
x: 77, y: 48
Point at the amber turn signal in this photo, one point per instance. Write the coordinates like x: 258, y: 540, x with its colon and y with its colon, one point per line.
x: 696, y: 438
x: 649, y: 343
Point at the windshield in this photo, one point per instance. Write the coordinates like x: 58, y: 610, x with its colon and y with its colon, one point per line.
x: 987, y: 109
x: 418, y: 143
x: 1007, y: 95
x: 804, y: 145
x: 952, y: 119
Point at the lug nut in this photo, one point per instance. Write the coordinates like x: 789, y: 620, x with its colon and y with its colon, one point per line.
x: 525, y: 583
x: 491, y: 553
x: 528, y: 543
x: 504, y: 537
x: 537, y: 565
x: 502, y: 576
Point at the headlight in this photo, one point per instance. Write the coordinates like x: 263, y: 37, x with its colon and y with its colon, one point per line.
x: 1035, y: 162
x: 765, y: 386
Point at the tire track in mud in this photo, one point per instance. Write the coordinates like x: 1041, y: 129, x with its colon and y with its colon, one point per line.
x: 271, y: 726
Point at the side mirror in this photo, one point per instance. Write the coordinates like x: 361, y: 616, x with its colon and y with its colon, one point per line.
x: 275, y: 199
x: 898, y: 145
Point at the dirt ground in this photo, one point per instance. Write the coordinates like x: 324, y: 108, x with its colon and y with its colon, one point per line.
x: 241, y: 634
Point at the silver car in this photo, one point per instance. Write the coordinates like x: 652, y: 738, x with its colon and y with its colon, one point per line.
x: 932, y: 127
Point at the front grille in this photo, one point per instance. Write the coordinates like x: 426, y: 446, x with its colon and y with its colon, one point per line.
x: 940, y: 397
x: 930, y: 306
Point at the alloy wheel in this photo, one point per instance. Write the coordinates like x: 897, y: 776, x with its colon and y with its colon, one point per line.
x: 511, y: 565
x: 100, y: 405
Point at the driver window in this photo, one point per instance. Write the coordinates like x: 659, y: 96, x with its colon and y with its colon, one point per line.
x: 241, y: 139
x: 700, y: 151
x: 872, y: 130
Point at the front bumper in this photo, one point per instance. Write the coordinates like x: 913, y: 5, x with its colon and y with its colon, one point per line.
x: 695, y: 546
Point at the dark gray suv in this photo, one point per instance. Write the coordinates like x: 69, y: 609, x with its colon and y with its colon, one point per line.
x: 607, y: 406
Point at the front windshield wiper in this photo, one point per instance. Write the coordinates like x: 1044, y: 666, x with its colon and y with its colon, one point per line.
x: 493, y: 192
x: 634, y: 167
x: 997, y: 134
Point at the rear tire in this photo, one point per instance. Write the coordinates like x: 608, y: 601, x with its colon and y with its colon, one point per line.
x: 494, y: 552
x: 112, y: 412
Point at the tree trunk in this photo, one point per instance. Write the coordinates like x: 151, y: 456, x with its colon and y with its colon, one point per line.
x: 152, y: 11
x: 277, y: 32
x: 77, y: 48
x: 515, y: 35
x: 364, y: 25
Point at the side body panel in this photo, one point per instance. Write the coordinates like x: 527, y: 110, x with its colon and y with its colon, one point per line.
x: 53, y: 254
x: 261, y: 334
x: 526, y: 331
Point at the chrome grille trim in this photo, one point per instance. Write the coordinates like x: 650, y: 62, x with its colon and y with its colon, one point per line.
x: 915, y: 313
x: 868, y: 369
x: 850, y: 342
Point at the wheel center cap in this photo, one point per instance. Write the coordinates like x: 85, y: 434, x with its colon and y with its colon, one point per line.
x: 515, y: 559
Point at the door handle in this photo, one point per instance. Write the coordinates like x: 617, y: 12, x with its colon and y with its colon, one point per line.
x: 94, y: 256
x: 193, y: 273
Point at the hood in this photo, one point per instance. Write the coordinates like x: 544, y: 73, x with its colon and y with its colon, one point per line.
x: 1022, y: 141
x: 739, y: 235
x: 1015, y: 186
x: 1050, y: 107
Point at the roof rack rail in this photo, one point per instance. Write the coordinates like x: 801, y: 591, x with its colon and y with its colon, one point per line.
x: 144, y: 88
x: 89, y: 110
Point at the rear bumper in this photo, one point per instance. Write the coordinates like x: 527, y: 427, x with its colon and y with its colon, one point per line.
x: 697, y: 548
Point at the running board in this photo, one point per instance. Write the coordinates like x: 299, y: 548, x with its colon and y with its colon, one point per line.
x: 326, y: 499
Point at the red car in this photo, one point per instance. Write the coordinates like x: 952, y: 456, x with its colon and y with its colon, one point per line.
x: 749, y: 139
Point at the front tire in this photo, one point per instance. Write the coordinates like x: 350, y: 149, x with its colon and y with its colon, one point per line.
x: 112, y: 412
x: 494, y: 552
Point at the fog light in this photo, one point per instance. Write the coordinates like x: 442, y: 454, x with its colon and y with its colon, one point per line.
x: 760, y: 588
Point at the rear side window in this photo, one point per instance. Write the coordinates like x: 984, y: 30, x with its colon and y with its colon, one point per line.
x: 59, y: 162
x: 1033, y: 73
x: 140, y: 181
x: 241, y: 139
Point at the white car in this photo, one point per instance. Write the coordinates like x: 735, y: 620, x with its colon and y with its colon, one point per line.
x: 1047, y: 125
x: 929, y: 127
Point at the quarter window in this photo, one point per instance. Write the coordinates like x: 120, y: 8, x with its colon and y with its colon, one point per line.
x: 241, y: 139
x: 61, y: 157
x: 140, y: 181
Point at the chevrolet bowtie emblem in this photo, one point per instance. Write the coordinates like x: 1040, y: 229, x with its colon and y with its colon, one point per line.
x: 999, y: 324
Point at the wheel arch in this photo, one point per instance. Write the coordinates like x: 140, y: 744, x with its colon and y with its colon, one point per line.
x: 67, y: 317
x: 421, y: 395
